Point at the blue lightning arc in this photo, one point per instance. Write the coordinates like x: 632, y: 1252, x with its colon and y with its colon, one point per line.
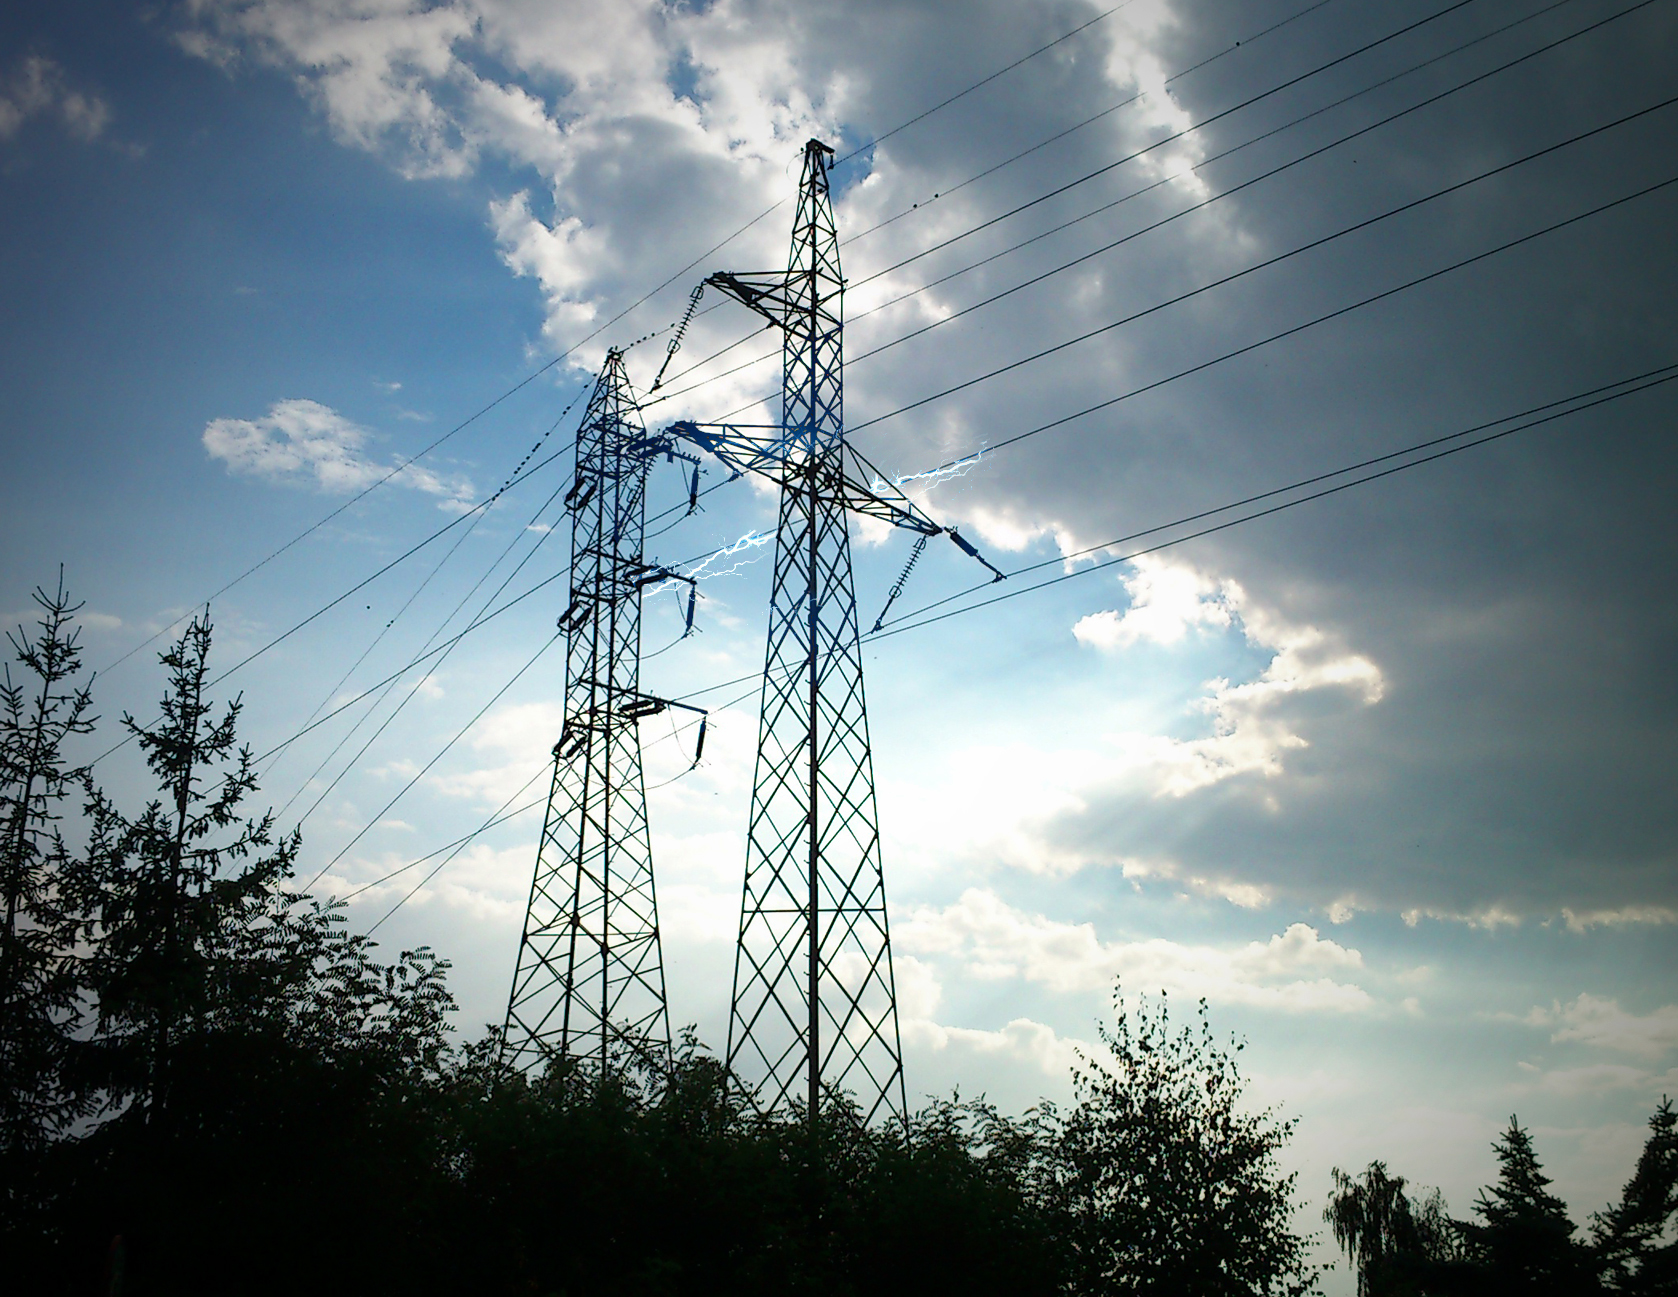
x: 751, y: 540
x: 700, y: 570
x: 932, y: 476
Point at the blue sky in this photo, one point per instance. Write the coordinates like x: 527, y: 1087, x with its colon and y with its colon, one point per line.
x: 1385, y: 776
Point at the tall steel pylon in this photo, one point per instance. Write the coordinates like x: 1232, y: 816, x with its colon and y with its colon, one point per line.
x: 589, y: 984
x: 814, y: 1007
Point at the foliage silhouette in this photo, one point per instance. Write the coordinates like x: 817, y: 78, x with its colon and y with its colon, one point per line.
x: 1164, y: 1183
x: 174, y: 900
x: 1635, y: 1242
x: 214, y: 1086
x: 1396, y: 1247
x: 40, y: 710
x: 1523, y: 1241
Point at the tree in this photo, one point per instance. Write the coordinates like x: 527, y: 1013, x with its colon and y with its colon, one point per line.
x: 173, y: 914
x: 1164, y: 1185
x: 1395, y: 1246
x: 1633, y: 1249
x: 38, y: 714
x: 1523, y: 1242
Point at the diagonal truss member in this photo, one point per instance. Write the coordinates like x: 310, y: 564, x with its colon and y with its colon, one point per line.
x: 590, y: 979
x: 814, y: 1010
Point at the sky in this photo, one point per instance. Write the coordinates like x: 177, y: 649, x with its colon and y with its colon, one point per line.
x: 290, y: 285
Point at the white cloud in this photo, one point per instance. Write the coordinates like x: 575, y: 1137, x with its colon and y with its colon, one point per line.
x: 1597, y: 1078
x: 627, y: 115
x: 1489, y: 919
x: 1022, y: 1039
x: 1168, y: 598
x: 481, y: 881
x: 1293, y: 971
x: 1246, y: 896
x: 301, y: 440
x: 1625, y: 915
x: 1008, y: 804
x: 1594, y: 1020
x: 38, y: 88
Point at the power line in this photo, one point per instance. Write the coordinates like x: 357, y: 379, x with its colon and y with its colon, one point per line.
x: 356, y: 588
x: 1412, y: 283
x: 1015, y: 158
x: 423, y: 770
x: 455, y: 847
x: 358, y: 497
x: 461, y: 603
x: 419, y: 684
x: 1088, y: 121
x: 440, y: 753
x: 419, y: 589
x: 942, y: 320
x: 420, y: 660
x: 1573, y: 401
x: 581, y: 342
x: 499, y: 816
x: 1262, y: 513
x: 409, y: 666
x: 1245, y: 184
x: 1279, y: 257
x: 961, y: 94
x: 1252, y: 346
x: 1177, y: 135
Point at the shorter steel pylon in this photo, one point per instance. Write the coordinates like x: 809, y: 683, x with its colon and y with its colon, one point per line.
x: 589, y: 985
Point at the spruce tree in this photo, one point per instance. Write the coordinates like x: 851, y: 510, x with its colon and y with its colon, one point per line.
x: 1635, y: 1250
x: 175, y: 892
x: 40, y: 710
x: 1524, y: 1241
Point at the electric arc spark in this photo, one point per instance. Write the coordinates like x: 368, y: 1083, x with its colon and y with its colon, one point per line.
x: 751, y: 540
x: 932, y: 476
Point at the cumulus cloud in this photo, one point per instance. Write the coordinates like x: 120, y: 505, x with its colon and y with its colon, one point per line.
x: 480, y: 882
x: 305, y: 441
x: 38, y: 87
x: 1618, y: 917
x: 1023, y: 1039
x: 1168, y: 598
x: 1295, y: 970
x: 1594, y: 1079
x: 637, y: 117
x: 1602, y: 1023
x: 1029, y: 806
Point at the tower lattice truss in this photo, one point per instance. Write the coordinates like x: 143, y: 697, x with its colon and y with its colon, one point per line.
x: 590, y: 979
x: 814, y: 1009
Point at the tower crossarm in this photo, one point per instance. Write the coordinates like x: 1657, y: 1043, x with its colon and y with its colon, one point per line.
x: 773, y: 294
x: 773, y: 451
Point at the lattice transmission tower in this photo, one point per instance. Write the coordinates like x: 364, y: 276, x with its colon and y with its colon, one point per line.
x: 814, y: 1006
x: 589, y: 984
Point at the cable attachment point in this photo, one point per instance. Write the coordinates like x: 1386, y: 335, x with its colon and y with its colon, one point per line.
x: 657, y: 575
x: 640, y: 706
x: 965, y: 548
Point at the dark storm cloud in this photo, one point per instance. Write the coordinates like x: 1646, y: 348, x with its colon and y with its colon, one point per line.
x: 1509, y: 596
